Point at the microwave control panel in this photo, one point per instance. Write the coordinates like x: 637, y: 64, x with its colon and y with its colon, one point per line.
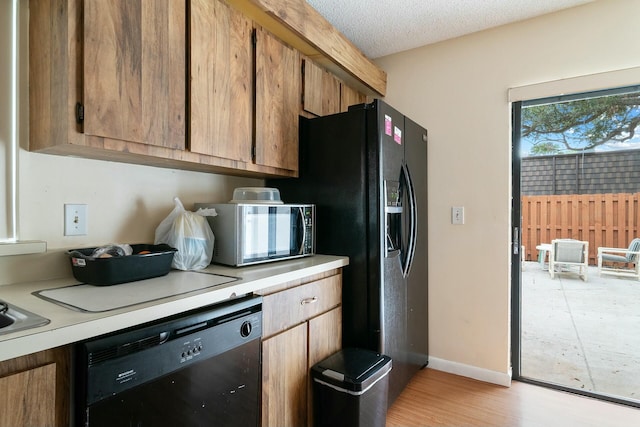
x: 308, y: 215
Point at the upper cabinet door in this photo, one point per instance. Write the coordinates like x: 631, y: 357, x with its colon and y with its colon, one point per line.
x: 321, y: 90
x: 349, y: 97
x: 278, y: 96
x: 134, y: 71
x: 221, y: 81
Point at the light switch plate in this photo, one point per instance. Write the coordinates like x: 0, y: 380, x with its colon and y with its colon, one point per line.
x: 457, y: 215
x: 75, y: 220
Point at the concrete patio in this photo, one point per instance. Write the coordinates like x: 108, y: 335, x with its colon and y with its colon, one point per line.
x: 584, y: 335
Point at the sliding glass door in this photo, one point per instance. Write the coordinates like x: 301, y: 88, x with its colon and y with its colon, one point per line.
x: 576, y: 178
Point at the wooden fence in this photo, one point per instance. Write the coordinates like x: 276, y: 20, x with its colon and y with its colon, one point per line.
x: 610, y: 220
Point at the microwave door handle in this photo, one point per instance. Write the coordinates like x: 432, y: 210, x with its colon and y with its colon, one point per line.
x: 304, y: 231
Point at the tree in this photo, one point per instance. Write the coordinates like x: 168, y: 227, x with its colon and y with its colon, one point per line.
x: 582, y: 124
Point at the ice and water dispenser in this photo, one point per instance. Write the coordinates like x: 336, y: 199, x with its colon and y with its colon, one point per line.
x: 393, y: 218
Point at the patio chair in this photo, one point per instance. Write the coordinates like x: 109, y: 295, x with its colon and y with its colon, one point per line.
x: 620, y: 261
x: 569, y: 253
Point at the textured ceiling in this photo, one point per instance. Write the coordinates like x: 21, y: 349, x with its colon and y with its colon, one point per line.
x: 383, y: 27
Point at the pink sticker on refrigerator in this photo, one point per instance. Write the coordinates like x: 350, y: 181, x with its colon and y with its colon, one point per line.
x: 397, y: 135
x: 387, y: 125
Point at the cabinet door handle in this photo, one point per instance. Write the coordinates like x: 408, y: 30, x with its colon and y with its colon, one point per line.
x: 309, y: 300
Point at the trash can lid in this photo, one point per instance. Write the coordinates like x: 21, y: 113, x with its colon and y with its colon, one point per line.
x: 352, y: 369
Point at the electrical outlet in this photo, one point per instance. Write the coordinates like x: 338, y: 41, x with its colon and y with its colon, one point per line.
x: 457, y: 215
x: 75, y: 220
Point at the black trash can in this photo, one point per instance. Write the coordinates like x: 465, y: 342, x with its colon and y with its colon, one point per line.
x: 350, y: 389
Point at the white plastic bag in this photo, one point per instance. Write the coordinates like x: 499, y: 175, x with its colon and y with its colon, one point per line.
x: 190, y: 234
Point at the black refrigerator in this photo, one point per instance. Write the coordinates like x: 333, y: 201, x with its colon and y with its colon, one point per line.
x: 366, y: 171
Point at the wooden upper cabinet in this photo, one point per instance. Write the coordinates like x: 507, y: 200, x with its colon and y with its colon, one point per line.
x: 350, y: 96
x: 171, y: 83
x: 134, y: 71
x: 278, y: 93
x: 221, y: 81
x: 321, y: 90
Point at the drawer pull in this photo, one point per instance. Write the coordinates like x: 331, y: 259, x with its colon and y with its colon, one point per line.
x: 309, y: 300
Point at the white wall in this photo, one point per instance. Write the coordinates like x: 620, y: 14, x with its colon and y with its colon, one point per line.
x: 458, y: 89
x: 126, y: 202
x: 125, y: 205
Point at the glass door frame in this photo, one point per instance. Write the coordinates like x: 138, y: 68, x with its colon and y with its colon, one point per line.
x: 516, y: 239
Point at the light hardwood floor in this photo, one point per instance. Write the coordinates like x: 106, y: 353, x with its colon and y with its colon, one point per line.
x: 435, y: 398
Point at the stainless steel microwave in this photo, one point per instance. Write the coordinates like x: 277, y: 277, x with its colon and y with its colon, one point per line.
x: 254, y: 233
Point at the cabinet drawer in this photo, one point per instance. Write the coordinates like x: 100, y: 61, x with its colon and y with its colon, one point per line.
x: 290, y: 307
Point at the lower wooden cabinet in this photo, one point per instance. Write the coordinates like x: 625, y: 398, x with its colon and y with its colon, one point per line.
x: 325, y: 338
x: 34, y: 390
x: 284, y: 378
x: 290, y: 350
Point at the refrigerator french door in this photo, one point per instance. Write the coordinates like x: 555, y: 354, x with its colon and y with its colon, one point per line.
x: 366, y: 171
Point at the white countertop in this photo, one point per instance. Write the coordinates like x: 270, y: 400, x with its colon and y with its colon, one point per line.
x: 68, y: 326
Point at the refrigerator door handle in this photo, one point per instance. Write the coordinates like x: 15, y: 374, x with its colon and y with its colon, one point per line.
x: 413, y: 226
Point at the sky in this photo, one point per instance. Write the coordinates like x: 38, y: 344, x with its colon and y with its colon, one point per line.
x: 632, y: 144
x: 574, y: 134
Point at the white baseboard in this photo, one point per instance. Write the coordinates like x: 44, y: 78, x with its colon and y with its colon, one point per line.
x: 493, y: 377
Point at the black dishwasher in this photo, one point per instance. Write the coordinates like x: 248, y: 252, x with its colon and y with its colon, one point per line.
x: 202, y: 368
